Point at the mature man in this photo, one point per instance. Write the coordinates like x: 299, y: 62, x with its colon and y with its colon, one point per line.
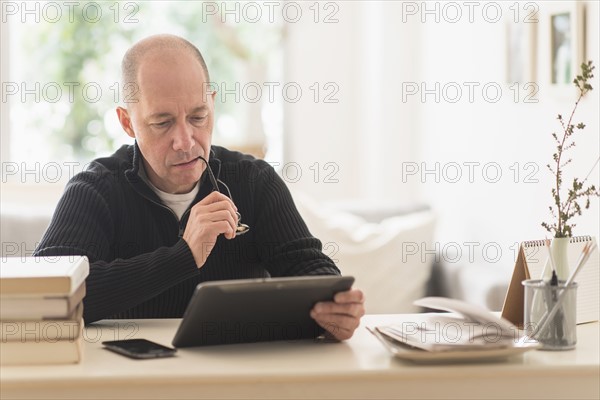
x: 151, y: 220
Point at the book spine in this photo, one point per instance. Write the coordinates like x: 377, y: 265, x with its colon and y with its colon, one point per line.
x: 58, y: 352
x: 81, y: 272
x: 49, y: 331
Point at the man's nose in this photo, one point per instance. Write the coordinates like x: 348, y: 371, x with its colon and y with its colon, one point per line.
x: 183, y: 139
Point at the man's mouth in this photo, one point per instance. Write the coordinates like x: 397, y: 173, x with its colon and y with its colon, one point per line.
x: 188, y: 164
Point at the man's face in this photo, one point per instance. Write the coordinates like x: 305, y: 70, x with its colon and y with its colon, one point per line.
x: 172, y: 119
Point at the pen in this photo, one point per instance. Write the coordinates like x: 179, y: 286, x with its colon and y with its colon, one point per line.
x: 554, y: 277
x: 585, y: 254
x: 558, y: 330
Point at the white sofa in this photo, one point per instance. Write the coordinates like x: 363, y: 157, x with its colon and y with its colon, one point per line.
x: 379, y: 247
x: 21, y: 229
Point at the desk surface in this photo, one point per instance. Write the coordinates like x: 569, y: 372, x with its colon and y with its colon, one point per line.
x: 358, y: 368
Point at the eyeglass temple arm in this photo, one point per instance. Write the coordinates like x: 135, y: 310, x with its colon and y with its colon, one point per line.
x: 241, y: 228
x: 213, y: 181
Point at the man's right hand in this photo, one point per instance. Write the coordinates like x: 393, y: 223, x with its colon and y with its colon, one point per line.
x: 210, y: 217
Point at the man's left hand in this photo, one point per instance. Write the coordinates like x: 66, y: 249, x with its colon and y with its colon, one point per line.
x: 341, y: 316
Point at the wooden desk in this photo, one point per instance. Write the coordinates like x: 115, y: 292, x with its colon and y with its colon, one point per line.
x: 359, y: 368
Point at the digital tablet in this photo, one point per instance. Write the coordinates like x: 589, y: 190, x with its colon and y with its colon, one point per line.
x: 256, y: 310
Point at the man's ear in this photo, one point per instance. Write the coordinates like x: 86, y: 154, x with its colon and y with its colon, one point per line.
x: 125, y: 121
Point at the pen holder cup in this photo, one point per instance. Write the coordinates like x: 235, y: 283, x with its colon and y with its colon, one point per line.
x: 558, y: 331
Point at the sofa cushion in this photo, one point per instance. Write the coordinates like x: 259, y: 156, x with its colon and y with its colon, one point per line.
x: 386, y: 258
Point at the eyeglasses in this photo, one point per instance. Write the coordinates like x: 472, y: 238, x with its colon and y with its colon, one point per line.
x: 241, y: 228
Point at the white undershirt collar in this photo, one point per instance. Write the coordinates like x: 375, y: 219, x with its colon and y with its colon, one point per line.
x: 176, y: 202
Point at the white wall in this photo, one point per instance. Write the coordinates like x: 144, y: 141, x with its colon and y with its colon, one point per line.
x: 368, y: 131
x: 372, y: 134
x: 4, y: 65
x: 505, y: 132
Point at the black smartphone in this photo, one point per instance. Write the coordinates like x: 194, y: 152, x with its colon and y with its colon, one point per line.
x: 139, y: 348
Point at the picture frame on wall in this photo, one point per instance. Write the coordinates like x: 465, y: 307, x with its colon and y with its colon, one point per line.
x: 562, y: 42
x: 521, y: 43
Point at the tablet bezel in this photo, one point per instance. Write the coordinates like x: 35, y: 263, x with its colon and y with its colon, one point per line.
x: 255, y: 310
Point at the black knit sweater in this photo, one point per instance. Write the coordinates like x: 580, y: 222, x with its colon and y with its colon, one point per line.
x: 140, y: 267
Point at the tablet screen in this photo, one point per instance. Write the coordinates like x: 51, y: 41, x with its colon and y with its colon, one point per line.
x: 256, y: 310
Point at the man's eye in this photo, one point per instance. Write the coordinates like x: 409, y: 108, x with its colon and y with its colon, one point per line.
x: 163, y: 124
x: 198, y: 118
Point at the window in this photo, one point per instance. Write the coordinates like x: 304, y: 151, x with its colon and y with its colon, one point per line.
x: 63, y: 83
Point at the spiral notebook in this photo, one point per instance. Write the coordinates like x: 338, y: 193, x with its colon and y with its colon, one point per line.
x: 531, y: 264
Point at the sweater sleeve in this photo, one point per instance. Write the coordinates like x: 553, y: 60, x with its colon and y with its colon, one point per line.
x: 84, y: 225
x: 288, y: 248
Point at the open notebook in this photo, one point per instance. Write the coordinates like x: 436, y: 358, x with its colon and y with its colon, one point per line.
x: 466, y: 327
x: 467, y: 332
x: 532, y: 262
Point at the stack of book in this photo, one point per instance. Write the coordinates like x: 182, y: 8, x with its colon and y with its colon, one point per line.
x: 41, y: 309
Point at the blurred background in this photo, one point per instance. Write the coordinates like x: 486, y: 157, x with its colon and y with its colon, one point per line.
x: 373, y: 108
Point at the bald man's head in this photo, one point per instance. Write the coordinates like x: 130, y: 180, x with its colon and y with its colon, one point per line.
x: 152, y: 45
